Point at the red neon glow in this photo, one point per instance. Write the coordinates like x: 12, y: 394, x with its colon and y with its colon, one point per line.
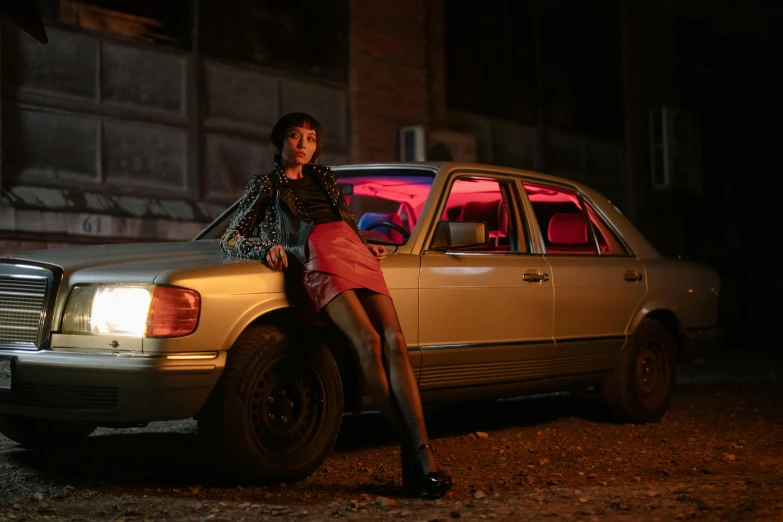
x: 538, y: 193
x: 474, y: 200
x: 567, y: 229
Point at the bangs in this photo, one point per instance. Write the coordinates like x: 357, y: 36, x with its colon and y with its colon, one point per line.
x: 299, y: 119
x: 305, y: 122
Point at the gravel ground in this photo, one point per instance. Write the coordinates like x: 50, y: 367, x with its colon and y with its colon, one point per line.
x: 717, y: 455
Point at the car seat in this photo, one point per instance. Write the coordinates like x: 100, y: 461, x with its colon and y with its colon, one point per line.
x: 567, y: 234
x: 490, y: 212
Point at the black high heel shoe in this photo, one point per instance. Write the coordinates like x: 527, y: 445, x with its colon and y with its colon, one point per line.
x: 434, y: 484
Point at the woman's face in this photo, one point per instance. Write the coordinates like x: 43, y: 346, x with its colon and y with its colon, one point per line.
x: 298, y: 146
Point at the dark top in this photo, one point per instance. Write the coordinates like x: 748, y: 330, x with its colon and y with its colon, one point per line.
x: 315, y: 201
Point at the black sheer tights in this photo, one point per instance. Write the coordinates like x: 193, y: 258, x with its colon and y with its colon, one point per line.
x: 370, y: 322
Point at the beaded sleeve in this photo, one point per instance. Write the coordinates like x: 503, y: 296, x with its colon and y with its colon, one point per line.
x: 254, y: 202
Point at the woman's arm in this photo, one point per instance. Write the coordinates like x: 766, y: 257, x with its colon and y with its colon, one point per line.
x: 254, y: 203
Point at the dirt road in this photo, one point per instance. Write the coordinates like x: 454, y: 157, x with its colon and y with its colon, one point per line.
x: 717, y: 455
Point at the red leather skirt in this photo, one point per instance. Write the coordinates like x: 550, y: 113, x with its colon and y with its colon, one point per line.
x: 339, y: 261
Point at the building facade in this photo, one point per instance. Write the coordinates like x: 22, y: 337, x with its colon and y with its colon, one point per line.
x: 141, y: 121
x: 142, y: 124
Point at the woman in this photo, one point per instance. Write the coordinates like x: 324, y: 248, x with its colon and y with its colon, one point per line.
x: 302, y: 212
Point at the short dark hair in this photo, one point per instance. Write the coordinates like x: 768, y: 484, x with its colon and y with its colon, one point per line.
x: 290, y: 120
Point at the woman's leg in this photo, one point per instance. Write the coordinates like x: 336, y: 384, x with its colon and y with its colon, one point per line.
x: 348, y: 313
x: 405, y: 390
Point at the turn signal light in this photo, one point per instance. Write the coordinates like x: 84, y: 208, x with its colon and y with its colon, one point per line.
x: 174, y: 312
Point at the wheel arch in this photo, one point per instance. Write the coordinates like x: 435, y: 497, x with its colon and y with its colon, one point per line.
x: 667, y: 316
x: 286, y: 316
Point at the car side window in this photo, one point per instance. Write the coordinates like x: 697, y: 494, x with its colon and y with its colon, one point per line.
x: 561, y: 219
x: 608, y: 243
x: 477, y: 199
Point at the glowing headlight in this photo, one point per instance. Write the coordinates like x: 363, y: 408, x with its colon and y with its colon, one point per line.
x: 133, y: 311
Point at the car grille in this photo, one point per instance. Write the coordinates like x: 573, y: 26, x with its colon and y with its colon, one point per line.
x: 62, y: 397
x: 22, y: 303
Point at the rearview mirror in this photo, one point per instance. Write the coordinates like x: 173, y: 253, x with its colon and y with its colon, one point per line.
x: 459, y: 234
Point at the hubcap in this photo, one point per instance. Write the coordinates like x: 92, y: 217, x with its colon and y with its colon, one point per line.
x: 653, y: 374
x: 287, y: 406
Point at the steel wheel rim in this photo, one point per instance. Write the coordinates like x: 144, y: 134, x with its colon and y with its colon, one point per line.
x: 652, y: 374
x: 287, y: 410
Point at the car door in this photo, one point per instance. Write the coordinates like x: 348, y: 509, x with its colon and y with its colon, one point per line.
x: 598, y: 283
x: 485, y: 314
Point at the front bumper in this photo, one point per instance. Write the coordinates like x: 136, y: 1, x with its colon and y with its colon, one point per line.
x: 109, y: 389
x: 697, y: 342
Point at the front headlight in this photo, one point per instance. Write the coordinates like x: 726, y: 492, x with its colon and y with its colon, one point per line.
x: 132, y: 311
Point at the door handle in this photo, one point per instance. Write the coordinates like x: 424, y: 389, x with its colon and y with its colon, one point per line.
x: 633, y: 276
x: 535, y: 277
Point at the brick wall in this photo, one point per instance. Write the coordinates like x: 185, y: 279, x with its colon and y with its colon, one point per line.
x: 388, y: 80
x: 436, y: 66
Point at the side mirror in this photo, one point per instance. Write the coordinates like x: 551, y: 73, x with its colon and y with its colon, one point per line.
x: 459, y: 234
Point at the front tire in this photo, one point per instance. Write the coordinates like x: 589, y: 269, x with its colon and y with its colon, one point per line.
x: 43, y: 433
x: 641, y: 387
x: 276, y: 411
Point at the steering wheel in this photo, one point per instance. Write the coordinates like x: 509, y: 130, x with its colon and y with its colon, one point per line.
x: 399, y: 228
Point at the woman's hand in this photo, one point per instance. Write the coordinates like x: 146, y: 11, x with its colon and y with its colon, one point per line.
x: 378, y: 251
x: 276, y: 258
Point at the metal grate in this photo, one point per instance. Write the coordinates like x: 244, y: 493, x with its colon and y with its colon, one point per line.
x: 62, y: 397
x: 22, y: 302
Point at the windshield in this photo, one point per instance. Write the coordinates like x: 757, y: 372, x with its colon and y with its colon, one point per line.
x: 386, y: 202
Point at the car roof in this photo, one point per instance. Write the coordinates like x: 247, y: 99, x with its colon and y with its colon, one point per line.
x: 454, y: 165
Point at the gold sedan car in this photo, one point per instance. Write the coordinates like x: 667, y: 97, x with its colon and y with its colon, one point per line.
x: 507, y: 282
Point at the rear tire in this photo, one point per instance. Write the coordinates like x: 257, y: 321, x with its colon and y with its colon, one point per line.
x: 43, y: 433
x: 641, y: 387
x: 276, y: 411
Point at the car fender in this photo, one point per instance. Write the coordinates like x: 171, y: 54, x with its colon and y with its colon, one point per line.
x: 254, y: 310
x: 648, y: 307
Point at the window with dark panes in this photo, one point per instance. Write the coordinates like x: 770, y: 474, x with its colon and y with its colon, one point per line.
x: 474, y: 199
x: 162, y: 22
x: 310, y: 38
x: 561, y: 219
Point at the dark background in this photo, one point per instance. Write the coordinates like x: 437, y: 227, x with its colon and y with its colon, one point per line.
x: 506, y: 60
x: 589, y: 68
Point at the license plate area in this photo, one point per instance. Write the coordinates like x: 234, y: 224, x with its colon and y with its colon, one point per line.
x: 6, y: 370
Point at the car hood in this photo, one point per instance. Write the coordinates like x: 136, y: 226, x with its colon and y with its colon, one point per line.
x: 130, y: 263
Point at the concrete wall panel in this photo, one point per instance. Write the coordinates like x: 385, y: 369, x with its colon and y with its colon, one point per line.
x: 67, y: 65
x: 143, y: 78
x: 241, y: 95
x: 231, y: 161
x: 144, y: 154
x: 48, y: 146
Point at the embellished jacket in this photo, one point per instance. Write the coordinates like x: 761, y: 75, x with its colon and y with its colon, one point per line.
x: 270, y: 195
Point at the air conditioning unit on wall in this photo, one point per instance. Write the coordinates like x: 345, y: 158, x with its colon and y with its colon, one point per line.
x: 423, y: 143
x: 675, y: 150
